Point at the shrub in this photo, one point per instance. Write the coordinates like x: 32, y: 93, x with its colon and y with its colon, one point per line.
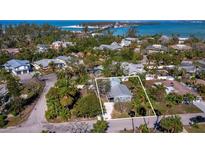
x: 87, y: 106
x: 2, y: 120
x: 171, y: 124
x: 100, y: 126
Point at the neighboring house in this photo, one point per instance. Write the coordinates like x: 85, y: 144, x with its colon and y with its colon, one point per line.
x: 125, y: 43
x: 44, y: 63
x: 119, y: 92
x: 42, y: 48
x: 181, y: 47
x: 165, y: 77
x: 164, y: 39
x: 97, y: 71
x: 137, y: 50
x: 67, y: 44
x: 132, y: 69
x: 182, y: 39
x: 64, y: 59
x: 97, y: 34
x: 60, y: 62
x: 113, y: 46
x: 188, y: 66
x: 198, y: 47
x: 61, y: 44
x: 57, y: 45
x: 12, y: 51
x: 132, y: 39
x: 18, y: 67
x: 158, y: 77
x: 170, y: 89
x: 201, y: 65
x: 155, y: 48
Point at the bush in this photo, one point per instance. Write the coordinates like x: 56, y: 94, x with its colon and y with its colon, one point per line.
x: 87, y: 107
x: 141, y: 110
x: 100, y: 126
x: 2, y: 120
x: 143, y: 128
x: 171, y: 124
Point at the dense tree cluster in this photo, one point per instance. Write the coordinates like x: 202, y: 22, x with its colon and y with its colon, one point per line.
x: 17, y: 90
x: 171, y: 124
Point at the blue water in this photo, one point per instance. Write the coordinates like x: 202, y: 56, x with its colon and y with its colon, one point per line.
x: 183, y: 28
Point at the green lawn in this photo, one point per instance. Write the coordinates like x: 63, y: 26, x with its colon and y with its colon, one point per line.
x: 176, y: 109
x: 199, y: 129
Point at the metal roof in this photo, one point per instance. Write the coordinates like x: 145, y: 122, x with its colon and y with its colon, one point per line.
x: 14, y: 63
x: 119, y: 90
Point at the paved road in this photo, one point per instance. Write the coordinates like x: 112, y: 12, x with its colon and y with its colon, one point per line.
x: 120, y: 124
x: 37, y: 116
x: 35, y: 121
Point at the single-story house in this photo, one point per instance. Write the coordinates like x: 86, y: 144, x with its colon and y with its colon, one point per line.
x: 97, y: 34
x: 182, y: 39
x: 158, y: 77
x: 61, y: 44
x: 155, y: 48
x: 42, y: 48
x: 132, y: 69
x: 67, y: 44
x: 132, y: 39
x: 125, y: 43
x: 64, y: 59
x: 56, y: 44
x: 44, y: 63
x: 18, y: 67
x: 119, y: 92
x: 188, y: 66
x: 181, y: 47
x: 113, y: 46
x: 11, y: 51
x: 201, y: 65
x: 137, y: 50
x: 60, y: 61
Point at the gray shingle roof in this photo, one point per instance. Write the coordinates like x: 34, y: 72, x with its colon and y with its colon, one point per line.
x: 14, y: 63
x: 119, y: 90
x: 45, y: 62
x: 65, y: 58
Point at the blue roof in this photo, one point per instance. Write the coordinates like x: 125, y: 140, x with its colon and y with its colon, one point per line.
x: 14, y: 63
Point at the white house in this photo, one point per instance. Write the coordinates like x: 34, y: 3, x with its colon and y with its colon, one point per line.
x: 113, y: 46
x: 155, y: 48
x: 42, y: 48
x: 188, y: 66
x: 18, y: 67
x: 61, y: 44
x: 169, y: 89
x: 181, y: 47
x: 182, y: 39
x: 132, y: 69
